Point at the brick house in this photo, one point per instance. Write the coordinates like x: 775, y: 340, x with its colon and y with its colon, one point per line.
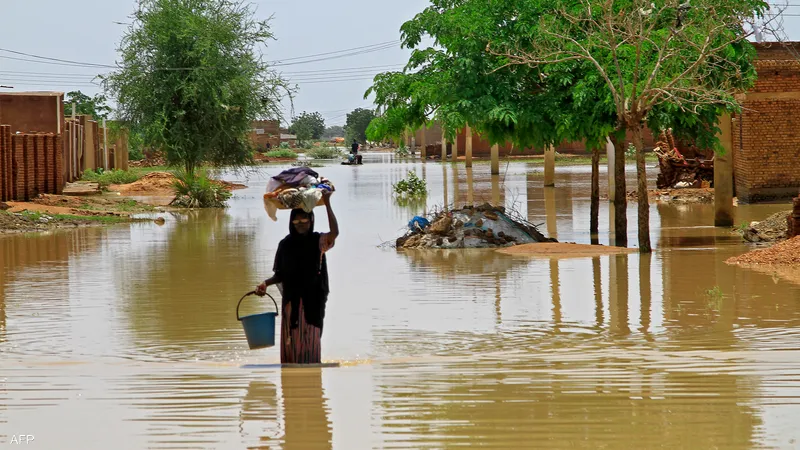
x: 766, y: 135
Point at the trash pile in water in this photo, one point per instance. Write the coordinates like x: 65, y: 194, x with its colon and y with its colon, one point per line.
x: 298, y: 187
x: 485, y: 226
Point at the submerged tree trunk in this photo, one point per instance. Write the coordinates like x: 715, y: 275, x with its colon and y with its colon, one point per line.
x: 620, y: 194
x: 594, y: 226
x: 643, y: 198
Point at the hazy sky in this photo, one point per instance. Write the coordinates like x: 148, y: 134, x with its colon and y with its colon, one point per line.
x: 85, y: 31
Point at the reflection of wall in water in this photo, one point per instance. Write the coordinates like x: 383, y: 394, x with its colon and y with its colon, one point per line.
x: 19, y: 253
x: 689, y: 272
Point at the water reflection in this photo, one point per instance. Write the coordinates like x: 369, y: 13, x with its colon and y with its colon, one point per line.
x: 299, y: 419
x: 188, y: 284
x: 568, y: 401
x: 674, y: 349
x: 307, y: 425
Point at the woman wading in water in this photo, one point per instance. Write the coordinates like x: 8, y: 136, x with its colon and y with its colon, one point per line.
x: 301, y: 270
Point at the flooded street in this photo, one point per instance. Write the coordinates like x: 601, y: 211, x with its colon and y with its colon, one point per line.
x: 126, y: 337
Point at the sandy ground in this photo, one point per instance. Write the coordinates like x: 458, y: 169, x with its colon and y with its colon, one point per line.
x: 785, y: 253
x: 157, y: 184
x: 78, y: 205
x: 566, y: 250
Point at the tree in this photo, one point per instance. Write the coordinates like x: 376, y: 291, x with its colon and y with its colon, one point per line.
x: 191, y: 81
x: 308, y: 126
x: 85, y: 105
x: 658, y: 59
x: 333, y: 131
x: 357, y: 123
x: 460, y: 83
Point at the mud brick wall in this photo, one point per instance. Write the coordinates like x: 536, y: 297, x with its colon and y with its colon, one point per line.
x: 766, y: 136
x: 5, y: 163
x: 39, y: 169
x: 28, y: 165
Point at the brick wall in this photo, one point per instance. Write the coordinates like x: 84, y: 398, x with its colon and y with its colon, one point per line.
x: 766, y: 135
x: 28, y: 165
x: 5, y: 163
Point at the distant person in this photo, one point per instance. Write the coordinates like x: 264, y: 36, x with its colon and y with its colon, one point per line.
x: 354, y: 147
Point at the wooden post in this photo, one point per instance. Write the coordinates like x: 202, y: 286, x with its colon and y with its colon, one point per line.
x: 468, y: 147
x: 423, y: 152
x: 495, y: 190
x: 454, y: 151
x: 723, y: 176
x: 496, y: 159
x: 470, y: 188
x: 444, y: 145
x: 105, y: 145
x: 550, y: 166
x: 612, y: 189
x: 550, y: 212
x: 444, y: 183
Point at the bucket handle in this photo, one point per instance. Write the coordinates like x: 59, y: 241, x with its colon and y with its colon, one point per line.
x: 277, y: 310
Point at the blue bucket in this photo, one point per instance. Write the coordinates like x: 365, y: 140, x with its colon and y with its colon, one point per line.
x: 259, y: 328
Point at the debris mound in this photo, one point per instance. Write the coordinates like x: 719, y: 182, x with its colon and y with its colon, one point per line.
x: 154, y: 183
x: 774, y: 228
x: 485, y: 226
x: 782, y: 253
x: 680, y: 170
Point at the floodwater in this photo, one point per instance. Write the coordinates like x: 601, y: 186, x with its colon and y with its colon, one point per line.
x: 127, y: 338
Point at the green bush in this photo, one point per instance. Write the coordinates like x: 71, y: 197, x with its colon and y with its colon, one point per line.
x: 325, y: 152
x: 116, y: 176
x: 284, y: 145
x: 411, y: 188
x: 282, y: 153
x: 402, y: 151
x: 196, y: 190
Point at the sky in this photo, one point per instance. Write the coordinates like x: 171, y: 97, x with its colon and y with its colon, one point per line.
x: 89, y: 31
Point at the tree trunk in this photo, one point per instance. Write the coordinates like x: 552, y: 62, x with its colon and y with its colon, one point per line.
x: 621, y: 200
x: 594, y: 227
x: 643, y: 198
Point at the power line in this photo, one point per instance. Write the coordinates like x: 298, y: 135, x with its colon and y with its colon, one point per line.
x: 355, y: 51
x: 54, y: 59
x: 397, y: 41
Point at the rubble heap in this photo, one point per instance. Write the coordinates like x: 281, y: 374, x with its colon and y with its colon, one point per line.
x: 771, y: 229
x: 793, y: 221
x: 485, y: 226
x: 677, y: 171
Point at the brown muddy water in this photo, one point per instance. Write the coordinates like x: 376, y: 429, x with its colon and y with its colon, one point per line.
x: 126, y: 337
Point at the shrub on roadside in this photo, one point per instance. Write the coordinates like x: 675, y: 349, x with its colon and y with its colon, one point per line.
x: 281, y: 153
x: 116, y: 176
x: 196, y: 190
x: 324, y: 152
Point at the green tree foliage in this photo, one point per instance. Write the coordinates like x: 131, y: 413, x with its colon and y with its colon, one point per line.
x: 333, y: 131
x: 357, y: 123
x: 538, y: 72
x: 191, y: 81
x: 308, y: 126
x: 662, y: 63
x: 93, y: 106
